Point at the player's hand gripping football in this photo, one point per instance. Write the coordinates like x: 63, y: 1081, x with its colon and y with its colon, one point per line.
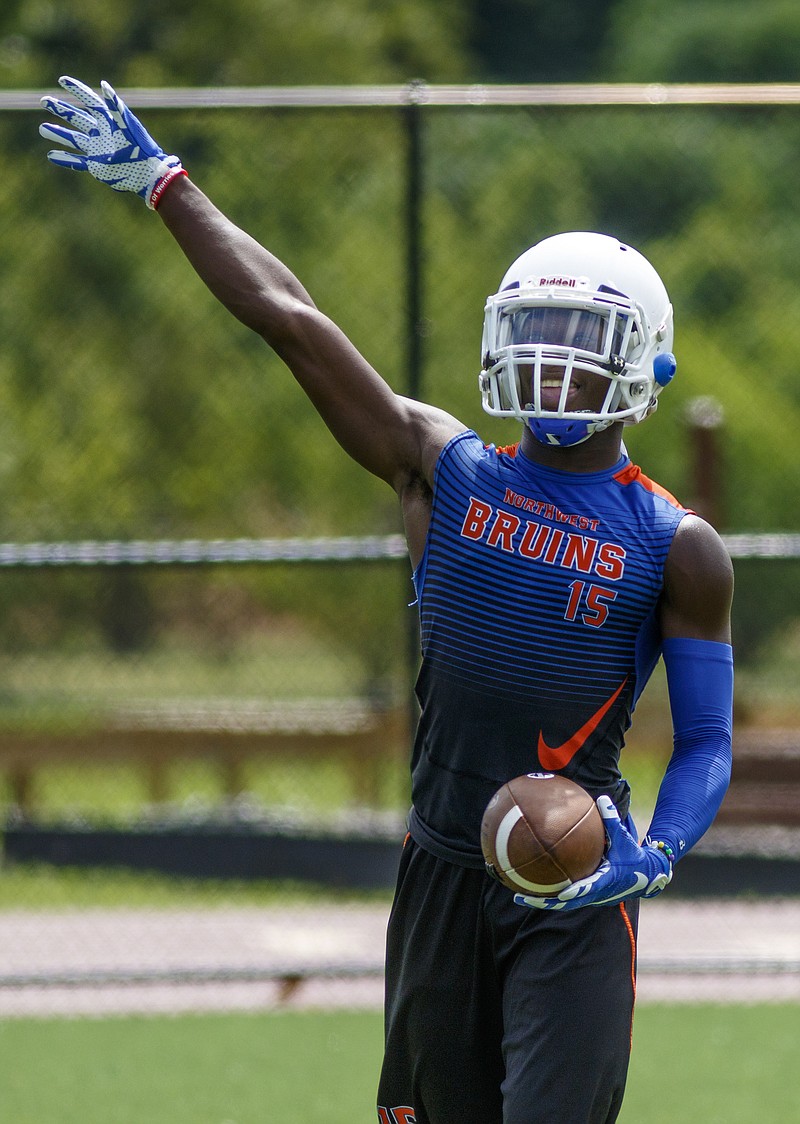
x: 108, y: 141
x: 628, y: 871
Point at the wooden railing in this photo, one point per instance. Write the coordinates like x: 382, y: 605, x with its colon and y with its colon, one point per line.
x: 765, y: 784
x: 361, y: 735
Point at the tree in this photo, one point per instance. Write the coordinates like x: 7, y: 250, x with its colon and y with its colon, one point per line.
x: 536, y: 41
x: 232, y: 42
x: 710, y: 41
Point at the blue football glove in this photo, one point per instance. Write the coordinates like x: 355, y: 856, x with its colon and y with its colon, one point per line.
x: 108, y: 142
x: 628, y: 871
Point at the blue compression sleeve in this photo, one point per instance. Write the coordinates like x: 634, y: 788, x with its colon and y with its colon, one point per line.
x: 700, y: 680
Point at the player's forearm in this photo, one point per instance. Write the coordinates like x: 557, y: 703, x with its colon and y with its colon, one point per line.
x: 700, y: 678
x: 245, y: 277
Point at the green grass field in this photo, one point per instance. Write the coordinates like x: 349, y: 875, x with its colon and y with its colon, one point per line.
x: 691, y: 1065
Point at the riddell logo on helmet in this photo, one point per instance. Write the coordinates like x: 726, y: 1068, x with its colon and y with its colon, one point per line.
x: 570, y: 282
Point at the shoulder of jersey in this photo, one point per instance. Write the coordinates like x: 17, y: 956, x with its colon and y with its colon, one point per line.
x: 632, y: 474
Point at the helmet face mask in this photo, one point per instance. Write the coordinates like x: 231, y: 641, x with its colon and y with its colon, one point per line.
x: 572, y: 310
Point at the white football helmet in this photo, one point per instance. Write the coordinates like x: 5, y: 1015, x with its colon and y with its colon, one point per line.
x: 573, y: 302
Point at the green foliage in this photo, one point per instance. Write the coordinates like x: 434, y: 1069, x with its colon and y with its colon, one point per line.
x: 535, y: 41
x: 710, y: 41
x: 132, y: 406
x: 219, y: 43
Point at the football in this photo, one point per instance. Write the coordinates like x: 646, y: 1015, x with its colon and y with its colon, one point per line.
x: 540, y: 832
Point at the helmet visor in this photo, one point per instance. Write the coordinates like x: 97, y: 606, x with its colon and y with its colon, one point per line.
x: 583, y: 329
x: 568, y: 327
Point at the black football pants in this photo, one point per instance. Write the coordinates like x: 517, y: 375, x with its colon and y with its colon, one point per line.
x: 500, y: 1014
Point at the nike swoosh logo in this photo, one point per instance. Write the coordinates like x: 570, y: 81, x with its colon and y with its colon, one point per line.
x: 639, y: 884
x: 553, y: 758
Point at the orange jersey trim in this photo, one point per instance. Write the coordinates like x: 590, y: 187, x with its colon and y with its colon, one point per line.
x: 632, y: 474
x: 632, y: 938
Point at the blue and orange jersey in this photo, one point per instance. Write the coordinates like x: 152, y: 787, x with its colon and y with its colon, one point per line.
x: 537, y: 596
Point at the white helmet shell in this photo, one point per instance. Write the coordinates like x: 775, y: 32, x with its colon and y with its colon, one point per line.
x: 577, y: 301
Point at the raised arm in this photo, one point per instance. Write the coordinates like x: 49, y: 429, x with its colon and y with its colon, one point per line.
x: 393, y: 437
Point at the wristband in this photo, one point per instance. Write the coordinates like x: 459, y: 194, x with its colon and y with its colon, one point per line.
x: 662, y: 846
x: 157, y: 193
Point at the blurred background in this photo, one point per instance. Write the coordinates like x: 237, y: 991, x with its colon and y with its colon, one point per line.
x: 207, y: 649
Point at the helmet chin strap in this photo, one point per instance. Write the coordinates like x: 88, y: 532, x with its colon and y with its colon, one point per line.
x: 564, y: 432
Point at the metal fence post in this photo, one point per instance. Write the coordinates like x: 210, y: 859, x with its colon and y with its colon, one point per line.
x: 412, y: 118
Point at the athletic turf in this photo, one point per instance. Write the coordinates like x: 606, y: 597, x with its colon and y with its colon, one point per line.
x: 691, y: 1064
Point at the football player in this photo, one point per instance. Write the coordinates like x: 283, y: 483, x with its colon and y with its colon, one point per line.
x: 551, y: 575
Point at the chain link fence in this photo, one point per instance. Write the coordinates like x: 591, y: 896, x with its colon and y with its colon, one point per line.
x: 208, y: 648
